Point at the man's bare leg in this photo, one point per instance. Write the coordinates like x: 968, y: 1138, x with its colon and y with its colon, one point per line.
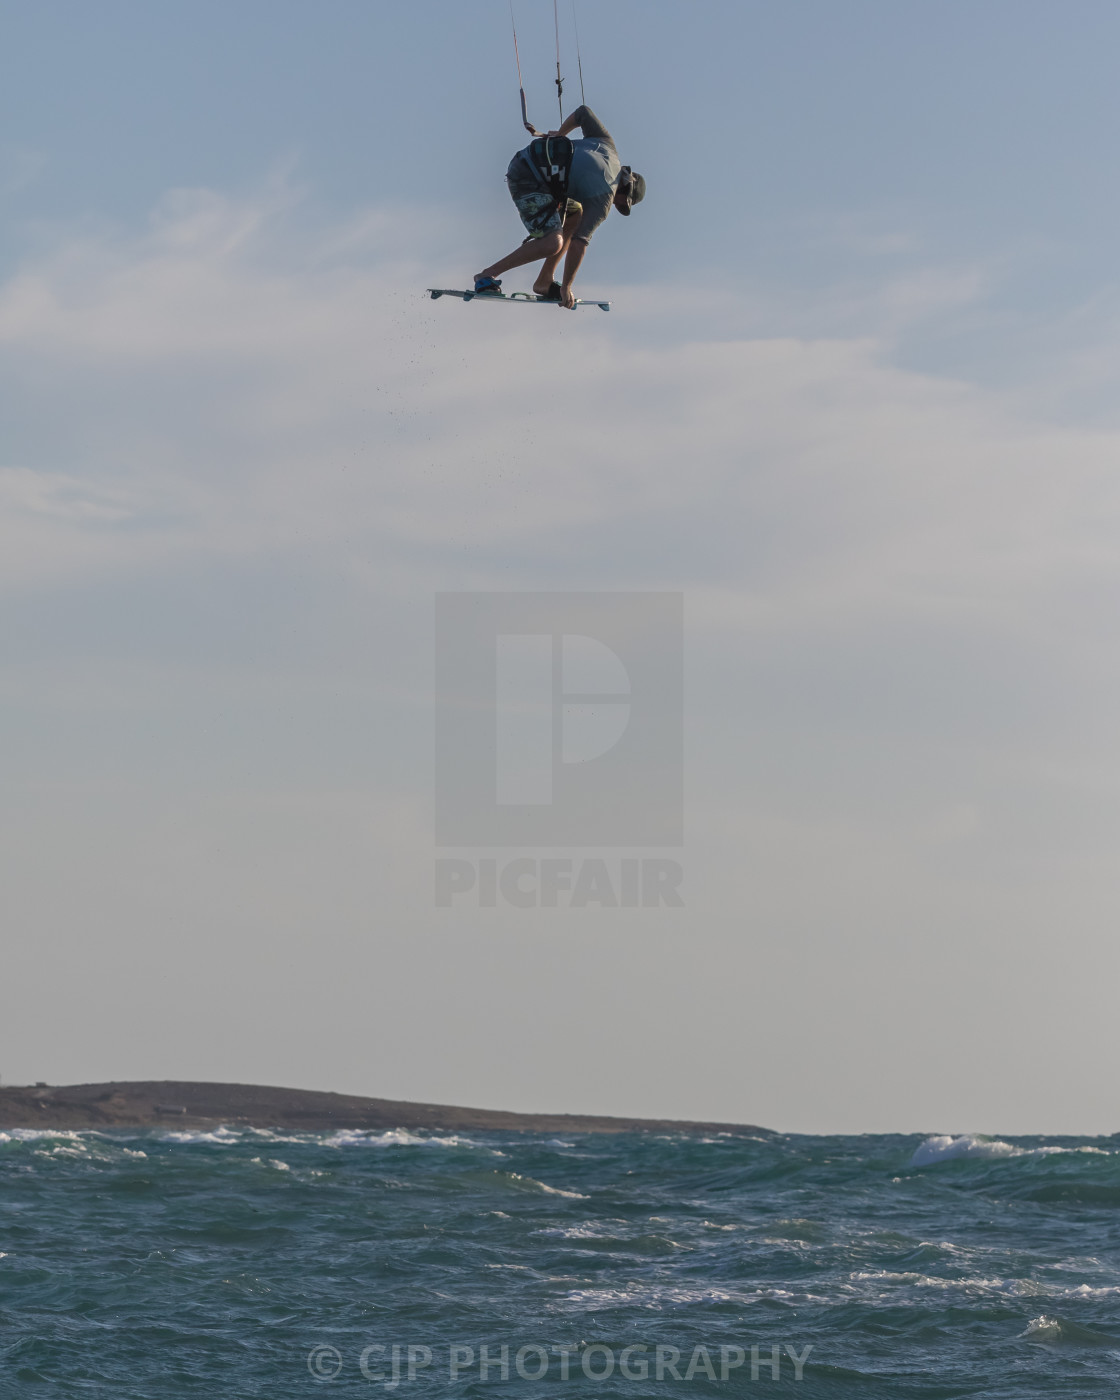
x: 532, y: 250
x: 547, y: 274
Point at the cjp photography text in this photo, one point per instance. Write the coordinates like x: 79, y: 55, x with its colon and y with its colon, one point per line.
x: 398, y: 1364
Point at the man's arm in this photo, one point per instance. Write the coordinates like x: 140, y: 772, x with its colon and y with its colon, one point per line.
x: 574, y: 256
x: 588, y: 123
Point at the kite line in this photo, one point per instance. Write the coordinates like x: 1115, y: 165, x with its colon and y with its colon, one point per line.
x: 520, y: 82
x: 579, y: 56
x: 559, y: 80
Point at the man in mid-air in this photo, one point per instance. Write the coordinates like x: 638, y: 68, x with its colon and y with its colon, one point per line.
x: 560, y: 219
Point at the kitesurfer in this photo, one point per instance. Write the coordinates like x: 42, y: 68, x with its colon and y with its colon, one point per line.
x: 560, y: 222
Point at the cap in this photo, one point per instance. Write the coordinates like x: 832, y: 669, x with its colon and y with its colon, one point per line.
x: 632, y: 187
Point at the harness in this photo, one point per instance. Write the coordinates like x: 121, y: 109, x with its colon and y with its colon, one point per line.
x: 550, y: 159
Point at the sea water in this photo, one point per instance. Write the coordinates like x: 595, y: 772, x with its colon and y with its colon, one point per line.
x: 247, y: 1263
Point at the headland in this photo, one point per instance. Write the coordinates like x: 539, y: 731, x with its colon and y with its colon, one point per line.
x: 180, y: 1103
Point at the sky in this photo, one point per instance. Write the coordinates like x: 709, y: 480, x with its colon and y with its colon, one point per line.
x: 854, y: 400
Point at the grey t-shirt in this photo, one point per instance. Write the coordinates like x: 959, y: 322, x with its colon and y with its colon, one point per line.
x: 595, y: 171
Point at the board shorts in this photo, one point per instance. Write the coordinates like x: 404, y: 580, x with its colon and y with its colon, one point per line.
x: 539, y: 212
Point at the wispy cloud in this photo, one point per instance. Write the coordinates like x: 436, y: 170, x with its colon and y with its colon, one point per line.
x: 267, y: 385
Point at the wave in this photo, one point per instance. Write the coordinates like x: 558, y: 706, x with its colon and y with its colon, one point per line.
x: 65, y: 1142
x: 1056, y: 1330
x: 394, y: 1137
x: 342, y: 1137
x: 660, y: 1296
x: 590, y: 1230
x: 222, y: 1137
x: 81, y: 1140
x: 612, y: 1236
x: 516, y: 1179
x: 946, y: 1148
x: 39, y: 1134
x: 885, y: 1284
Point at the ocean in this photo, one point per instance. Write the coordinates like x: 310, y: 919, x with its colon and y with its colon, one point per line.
x: 250, y: 1263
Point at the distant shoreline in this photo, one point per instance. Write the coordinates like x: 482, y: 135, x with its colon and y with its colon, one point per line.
x: 177, y: 1103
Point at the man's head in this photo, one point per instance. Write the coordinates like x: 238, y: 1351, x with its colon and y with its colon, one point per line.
x: 631, y: 190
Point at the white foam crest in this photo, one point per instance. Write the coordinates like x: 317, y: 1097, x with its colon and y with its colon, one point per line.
x: 543, y: 1186
x: 397, y: 1137
x: 912, y: 1279
x: 885, y: 1279
x: 269, y: 1135
x: 1053, y: 1329
x: 945, y: 1148
x: 589, y: 1230
x: 1042, y: 1328
x: 660, y: 1297
x: 67, y: 1143
x: 556, y: 1191
x: 224, y: 1137
x: 885, y: 1276
x: 39, y: 1134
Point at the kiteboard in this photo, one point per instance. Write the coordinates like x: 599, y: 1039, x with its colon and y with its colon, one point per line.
x: 530, y: 297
